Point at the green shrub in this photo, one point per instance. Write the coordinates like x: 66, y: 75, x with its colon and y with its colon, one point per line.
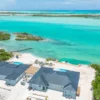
x: 96, y: 82
x: 26, y: 36
x: 5, y: 55
x: 4, y: 36
x: 50, y: 59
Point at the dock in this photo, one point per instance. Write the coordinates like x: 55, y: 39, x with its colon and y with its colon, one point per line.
x: 22, y: 50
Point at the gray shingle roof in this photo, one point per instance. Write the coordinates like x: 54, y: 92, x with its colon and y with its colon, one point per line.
x: 57, y: 78
x: 2, y: 63
x: 6, y: 70
x: 17, y: 72
x: 69, y: 87
x: 40, y: 81
x: 68, y: 78
x: 12, y: 71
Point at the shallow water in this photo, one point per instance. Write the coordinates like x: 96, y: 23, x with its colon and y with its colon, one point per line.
x: 77, y: 40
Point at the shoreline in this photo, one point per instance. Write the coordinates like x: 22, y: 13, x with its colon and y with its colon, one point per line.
x: 31, y: 59
x: 26, y: 58
x: 87, y: 74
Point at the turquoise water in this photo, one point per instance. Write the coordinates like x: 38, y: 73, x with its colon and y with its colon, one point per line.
x: 17, y: 63
x: 77, y: 40
x: 61, y: 70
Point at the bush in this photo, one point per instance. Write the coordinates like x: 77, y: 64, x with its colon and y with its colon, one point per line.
x: 50, y: 59
x: 26, y: 36
x: 96, y: 82
x: 4, y: 36
x: 5, y: 55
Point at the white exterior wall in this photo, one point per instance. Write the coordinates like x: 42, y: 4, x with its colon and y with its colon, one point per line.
x: 13, y: 82
x: 56, y: 87
x: 68, y: 93
x: 51, y: 86
x: 2, y: 77
x: 36, y: 87
x: 20, y: 77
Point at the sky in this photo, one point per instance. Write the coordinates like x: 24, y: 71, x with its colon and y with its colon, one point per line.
x: 49, y: 4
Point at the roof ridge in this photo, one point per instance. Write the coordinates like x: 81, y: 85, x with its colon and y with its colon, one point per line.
x: 44, y: 80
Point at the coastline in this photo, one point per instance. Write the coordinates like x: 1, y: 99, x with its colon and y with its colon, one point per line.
x: 32, y: 58
x: 52, y: 24
x: 87, y: 73
x: 26, y: 58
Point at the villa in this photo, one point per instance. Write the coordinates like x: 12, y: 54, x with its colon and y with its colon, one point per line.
x: 12, y: 73
x: 48, y: 78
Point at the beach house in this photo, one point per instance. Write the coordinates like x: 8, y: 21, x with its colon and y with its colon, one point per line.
x: 12, y: 73
x: 48, y: 78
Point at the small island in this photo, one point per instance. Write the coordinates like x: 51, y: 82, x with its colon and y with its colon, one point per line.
x: 51, y: 59
x: 4, y: 36
x: 26, y: 36
x: 44, y: 14
x: 5, y: 55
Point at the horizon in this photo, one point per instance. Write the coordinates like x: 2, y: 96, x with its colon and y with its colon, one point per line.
x: 50, y: 5
x: 56, y: 10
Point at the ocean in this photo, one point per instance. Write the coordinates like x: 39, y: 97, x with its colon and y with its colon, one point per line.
x: 72, y: 39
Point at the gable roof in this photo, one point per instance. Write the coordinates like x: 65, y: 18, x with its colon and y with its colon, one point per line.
x: 12, y: 71
x: 69, y: 87
x: 68, y: 78
x: 39, y: 80
x: 57, y: 78
x: 6, y: 69
x: 2, y: 63
x: 17, y: 72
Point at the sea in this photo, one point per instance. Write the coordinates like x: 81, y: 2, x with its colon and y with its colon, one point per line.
x: 71, y: 39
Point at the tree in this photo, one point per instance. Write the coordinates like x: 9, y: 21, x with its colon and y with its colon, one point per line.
x: 5, y: 55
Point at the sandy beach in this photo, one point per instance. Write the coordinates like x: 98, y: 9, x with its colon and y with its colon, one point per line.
x: 86, y: 73
x: 26, y: 58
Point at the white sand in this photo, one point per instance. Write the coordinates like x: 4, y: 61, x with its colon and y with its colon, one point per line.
x: 86, y: 75
x: 26, y: 58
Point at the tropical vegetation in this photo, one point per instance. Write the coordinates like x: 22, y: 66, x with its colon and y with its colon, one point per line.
x: 5, y: 55
x: 96, y: 82
x: 26, y: 36
x: 50, y: 59
x: 4, y: 36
